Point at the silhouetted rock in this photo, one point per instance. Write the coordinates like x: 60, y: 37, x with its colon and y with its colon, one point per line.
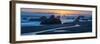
x: 43, y: 20
x: 76, y: 21
x: 51, y: 20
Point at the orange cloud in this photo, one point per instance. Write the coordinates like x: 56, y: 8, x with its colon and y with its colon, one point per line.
x: 66, y: 12
x: 56, y: 11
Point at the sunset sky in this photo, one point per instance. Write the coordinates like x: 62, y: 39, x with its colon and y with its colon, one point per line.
x: 57, y: 11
